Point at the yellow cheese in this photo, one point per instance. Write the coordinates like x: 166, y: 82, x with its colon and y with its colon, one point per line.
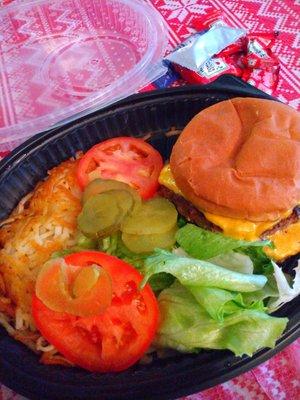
x: 240, y: 228
x: 287, y: 242
x: 166, y: 179
x: 236, y: 228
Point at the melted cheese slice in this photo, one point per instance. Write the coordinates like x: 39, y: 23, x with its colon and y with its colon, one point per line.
x: 287, y: 242
x: 166, y: 179
x: 240, y: 228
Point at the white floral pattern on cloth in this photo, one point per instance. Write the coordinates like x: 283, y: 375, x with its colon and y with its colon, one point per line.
x: 278, y: 378
x: 182, y: 10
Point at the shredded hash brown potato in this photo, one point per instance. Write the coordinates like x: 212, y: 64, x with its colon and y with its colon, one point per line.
x: 43, y: 222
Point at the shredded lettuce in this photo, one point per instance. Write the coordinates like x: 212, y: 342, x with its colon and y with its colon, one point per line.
x: 192, y: 272
x: 82, y: 243
x: 109, y: 244
x: 113, y: 245
x: 203, y: 244
x: 186, y: 326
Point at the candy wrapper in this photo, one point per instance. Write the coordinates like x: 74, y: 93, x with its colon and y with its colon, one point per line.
x: 217, y: 48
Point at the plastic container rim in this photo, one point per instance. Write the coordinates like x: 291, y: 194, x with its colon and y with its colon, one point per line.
x: 84, y: 107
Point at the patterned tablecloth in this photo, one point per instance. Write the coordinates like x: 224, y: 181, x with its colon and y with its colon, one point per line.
x: 278, y: 378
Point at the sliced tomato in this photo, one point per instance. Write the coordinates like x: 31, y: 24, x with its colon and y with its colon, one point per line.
x: 124, y: 159
x: 114, y: 340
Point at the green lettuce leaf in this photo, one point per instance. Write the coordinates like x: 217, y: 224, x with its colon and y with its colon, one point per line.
x: 269, y: 291
x: 161, y: 281
x: 203, y: 244
x: 114, y: 245
x: 220, y: 303
x: 181, y: 221
x: 192, y: 272
x: 187, y: 327
x: 234, y: 261
x: 261, y: 262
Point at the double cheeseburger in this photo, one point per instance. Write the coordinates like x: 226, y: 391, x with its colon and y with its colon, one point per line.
x: 235, y: 169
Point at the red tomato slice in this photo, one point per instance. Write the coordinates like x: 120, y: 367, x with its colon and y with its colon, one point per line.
x: 114, y: 340
x: 124, y: 159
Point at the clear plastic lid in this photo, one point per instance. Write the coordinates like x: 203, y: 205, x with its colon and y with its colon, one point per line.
x: 60, y: 59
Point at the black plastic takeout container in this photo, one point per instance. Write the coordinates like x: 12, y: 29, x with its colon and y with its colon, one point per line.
x: 158, y: 116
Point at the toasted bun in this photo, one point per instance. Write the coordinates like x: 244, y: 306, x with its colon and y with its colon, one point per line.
x: 240, y: 158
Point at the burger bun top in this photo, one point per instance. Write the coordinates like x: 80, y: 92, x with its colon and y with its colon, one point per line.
x: 240, y: 158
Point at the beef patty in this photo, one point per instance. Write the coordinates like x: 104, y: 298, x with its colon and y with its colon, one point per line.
x: 192, y: 214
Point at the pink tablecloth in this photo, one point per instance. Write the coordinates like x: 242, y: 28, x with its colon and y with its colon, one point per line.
x: 278, y: 378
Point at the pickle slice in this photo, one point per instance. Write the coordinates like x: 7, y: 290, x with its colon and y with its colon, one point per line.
x: 124, y: 199
x: 100, y: 213
x: 103, y: 213
x: 98, y: 186
x: 155, y: 216
x: 147, y: 243
x: 81, y: 291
